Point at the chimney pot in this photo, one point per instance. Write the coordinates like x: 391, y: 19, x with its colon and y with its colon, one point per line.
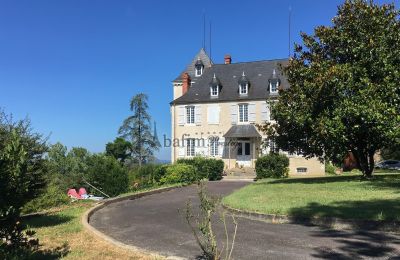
x: 228, y: 59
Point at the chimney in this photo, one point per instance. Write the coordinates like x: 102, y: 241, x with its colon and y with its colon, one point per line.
x: 185, y: 82
x: 227, y: 59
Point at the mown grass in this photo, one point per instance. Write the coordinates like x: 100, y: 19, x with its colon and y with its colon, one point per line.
x: 61, y: 235
x: 348, y: 197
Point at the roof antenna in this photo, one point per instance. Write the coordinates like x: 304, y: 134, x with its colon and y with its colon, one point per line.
x: 210, y: 42
x: 290, y: 21
x: 204, y: 30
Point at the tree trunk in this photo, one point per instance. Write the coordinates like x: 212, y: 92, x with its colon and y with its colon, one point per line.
x: 365, y: 161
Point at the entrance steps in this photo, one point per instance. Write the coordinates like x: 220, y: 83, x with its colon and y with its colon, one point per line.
x: 245, y: 173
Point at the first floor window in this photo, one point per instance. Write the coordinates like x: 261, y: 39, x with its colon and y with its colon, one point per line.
x: 190, y: 143
x: 190, y: 115
x: 243, y: 113
x: 213, y: 146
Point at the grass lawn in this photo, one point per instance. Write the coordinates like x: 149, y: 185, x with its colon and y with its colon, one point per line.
x: 348, y: 197
x: 61, y: 234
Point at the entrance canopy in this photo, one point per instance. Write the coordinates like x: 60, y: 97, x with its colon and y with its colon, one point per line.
x: 242, y: 131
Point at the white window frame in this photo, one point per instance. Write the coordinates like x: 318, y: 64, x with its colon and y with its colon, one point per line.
x: 276, y: 89
x: 213, y: 143
x: 190, y: 115
x: 243, y: 113
x: 197, y: 74
x: 213, y: 92
x: 190, y: 147
x: 244, y: 87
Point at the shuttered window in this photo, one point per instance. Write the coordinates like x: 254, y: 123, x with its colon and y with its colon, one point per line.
x: 213, y: 141
x: 190, y: 114
x: 243, y: 113
x: 190, y: 147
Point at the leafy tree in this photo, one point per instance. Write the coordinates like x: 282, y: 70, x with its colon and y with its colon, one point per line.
x: 137, y: 129
x: 119, y: 149
x: 67, y: 168
x: 107, y: 174
x: 344, y: 93
x: 22, y: 167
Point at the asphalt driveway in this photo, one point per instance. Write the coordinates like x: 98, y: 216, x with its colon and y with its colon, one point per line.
x: 155, y: 223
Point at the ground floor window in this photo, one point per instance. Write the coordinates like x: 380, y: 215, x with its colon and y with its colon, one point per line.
x: 301, y: 169
x: 213, y: 146
x: 190, y: 147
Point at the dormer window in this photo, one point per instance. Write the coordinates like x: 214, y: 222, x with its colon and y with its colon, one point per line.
x: 243, y: 85
x: 215, y: 86
x: 273, y: 87
x: 274, y: 83
x: 243, y: 89
x: 199, y: 67
x: 214, y: 91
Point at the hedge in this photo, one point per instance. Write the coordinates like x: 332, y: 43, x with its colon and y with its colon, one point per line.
x: 179, y: 173
x: 272, y: 166
x: 209, y: 168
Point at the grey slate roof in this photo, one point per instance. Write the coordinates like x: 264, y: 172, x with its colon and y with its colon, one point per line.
x: 258, y: 73
x: 239, y: 131
x: 190, y: 69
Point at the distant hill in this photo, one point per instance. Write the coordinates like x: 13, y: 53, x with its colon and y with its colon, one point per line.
x: 160, y: 161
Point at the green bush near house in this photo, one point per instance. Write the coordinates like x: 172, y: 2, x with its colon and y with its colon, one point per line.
x: 330, y: 169
x: 146, y: 176
x: 272, y: 166
x: 211, y: 169
x: 179, y: 173
x: 107, y: 174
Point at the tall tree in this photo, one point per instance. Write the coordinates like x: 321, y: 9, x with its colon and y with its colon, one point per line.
x: 137, y: 130
x: 344, y: 93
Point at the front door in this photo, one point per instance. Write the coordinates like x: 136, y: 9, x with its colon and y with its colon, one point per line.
x: 244, y: 154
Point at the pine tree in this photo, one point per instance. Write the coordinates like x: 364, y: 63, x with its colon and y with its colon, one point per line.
x: 137, y: 130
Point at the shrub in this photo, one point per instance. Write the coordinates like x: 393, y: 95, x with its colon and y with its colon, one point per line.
x: 53, y: 196
x: 107, y: 174
x: 22, y: 168
x: 272, y: 166
x: 211, y: 169
x: 146, y: 175
x: 330, y: 169
x: 179, y: 173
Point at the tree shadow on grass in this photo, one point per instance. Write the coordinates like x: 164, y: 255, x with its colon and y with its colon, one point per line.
x: 358, y: 244
x: 364, y: 240
x: 392, y: 180
x: 36, y: 254
x: 46, y: 220
x: 382, y: 181
x: 50, y: 254
x: 378, y: 209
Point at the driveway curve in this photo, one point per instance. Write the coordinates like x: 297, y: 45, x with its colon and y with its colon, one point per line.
x: 155, y: 223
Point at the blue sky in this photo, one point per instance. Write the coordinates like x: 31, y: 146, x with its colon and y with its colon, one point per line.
x: 72, y: 66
